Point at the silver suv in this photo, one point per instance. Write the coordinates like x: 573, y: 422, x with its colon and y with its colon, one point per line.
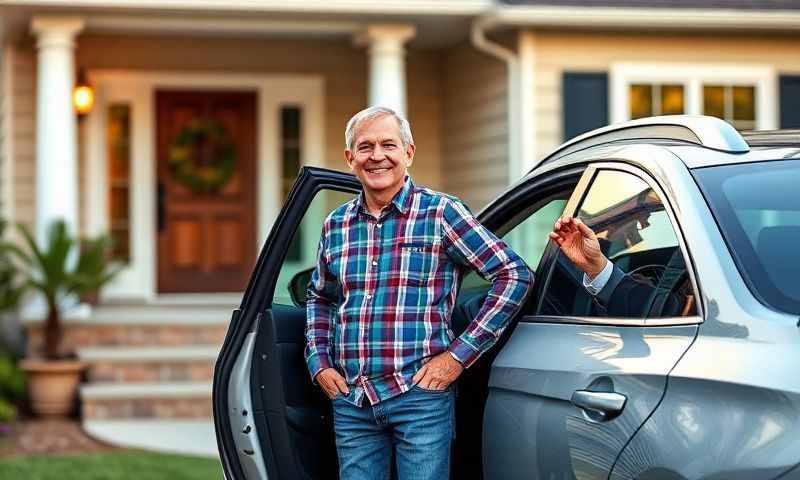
x: 683, y: 367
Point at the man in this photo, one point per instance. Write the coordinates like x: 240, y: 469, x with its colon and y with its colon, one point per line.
x: 617, y: 293
x: 379, y: 303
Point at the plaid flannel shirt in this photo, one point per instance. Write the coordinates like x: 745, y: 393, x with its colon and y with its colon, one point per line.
x: 380, y: 298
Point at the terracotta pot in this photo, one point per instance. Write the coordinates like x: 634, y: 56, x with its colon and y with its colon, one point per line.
x: 53, y: 385
x: 92, y: 298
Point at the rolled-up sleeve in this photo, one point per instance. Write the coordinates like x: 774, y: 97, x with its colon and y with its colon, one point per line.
x: 470, y: 244
x: 321, y: 304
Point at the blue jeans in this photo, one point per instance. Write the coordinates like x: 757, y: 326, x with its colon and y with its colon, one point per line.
x: 415, y: 428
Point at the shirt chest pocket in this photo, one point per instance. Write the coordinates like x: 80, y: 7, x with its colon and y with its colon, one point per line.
x: 418, y: 261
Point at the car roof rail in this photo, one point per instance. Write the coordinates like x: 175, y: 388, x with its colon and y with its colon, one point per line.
x: 787, y: 137
x: 709, y: 132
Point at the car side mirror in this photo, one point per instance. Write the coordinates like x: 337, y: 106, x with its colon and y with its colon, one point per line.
x: 298, y: 285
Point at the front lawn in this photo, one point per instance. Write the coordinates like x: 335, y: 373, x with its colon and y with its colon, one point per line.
x: 125, y: 464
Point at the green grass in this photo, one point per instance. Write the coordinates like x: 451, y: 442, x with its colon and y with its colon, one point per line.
x: 128, y: 464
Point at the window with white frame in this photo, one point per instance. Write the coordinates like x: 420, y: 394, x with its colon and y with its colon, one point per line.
x: 746, y: 97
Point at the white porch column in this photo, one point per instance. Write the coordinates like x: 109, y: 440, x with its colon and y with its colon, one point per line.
x: 56, y: 141
x: 387, y: 67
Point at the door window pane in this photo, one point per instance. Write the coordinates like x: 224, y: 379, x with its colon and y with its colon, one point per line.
x: 635, y: 234
x: 529, y: 237
x: 305, y: 245
x: 290, y: 156
x: 118, y: 132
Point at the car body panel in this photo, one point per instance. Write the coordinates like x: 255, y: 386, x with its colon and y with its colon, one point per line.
x: 248, y: 447
x: 732, y: 407
x: 532, y: 430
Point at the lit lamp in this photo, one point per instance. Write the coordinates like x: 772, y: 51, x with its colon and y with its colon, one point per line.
x: 83, y: 95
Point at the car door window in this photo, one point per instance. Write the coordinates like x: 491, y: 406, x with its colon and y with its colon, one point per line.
x: 526, y: 233
x: 635, y: 233
x: 301, y: 256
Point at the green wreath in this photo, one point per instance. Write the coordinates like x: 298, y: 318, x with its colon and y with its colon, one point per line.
x: 207, y: 170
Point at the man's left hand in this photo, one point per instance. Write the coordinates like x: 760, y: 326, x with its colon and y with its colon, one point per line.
x: 439, y: 372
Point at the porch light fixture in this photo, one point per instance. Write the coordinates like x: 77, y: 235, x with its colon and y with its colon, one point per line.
x: 82, y: 95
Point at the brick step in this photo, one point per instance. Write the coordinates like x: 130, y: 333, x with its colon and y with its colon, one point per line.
x: 146, y: 325
x: 77, y: 336
x: 177, y: 400
x: 192, y: 363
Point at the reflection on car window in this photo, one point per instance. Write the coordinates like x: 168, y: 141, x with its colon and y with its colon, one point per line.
x: 758, y: 209
x: 635, y: 233
x: 302, y: 253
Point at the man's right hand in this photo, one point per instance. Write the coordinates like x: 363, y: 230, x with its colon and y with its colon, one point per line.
x: 332, y: 383
x: 579, y: 244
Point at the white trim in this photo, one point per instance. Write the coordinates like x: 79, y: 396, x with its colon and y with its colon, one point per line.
x: 137, y: 88
x: 217, y: 26
x: 693, y: 76
x: 509, y: 57
x: 145, y: 314
x: 422, y: 7
x: 9, y: 210
x: 127, y: 391
x: 529, y: 153
x: 161, y: 354
x: 387, y: 63
x: 646, y: 18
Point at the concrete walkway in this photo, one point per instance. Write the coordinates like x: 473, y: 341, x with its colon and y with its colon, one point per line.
x: 188, y: 437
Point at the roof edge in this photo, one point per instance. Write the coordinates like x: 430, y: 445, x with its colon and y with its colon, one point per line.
x: 642, y: 18
x: 388, y: 7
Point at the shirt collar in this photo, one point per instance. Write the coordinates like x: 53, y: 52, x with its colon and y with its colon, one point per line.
x: 402, y: 199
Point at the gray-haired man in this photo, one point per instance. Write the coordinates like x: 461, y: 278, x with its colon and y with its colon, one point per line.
x: 379, y: 303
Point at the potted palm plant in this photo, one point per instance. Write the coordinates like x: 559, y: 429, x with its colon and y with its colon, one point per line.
x: 52, y: 272
x: 94, y: 267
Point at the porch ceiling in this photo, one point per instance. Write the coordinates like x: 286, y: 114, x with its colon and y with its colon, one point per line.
x: 433, y: 31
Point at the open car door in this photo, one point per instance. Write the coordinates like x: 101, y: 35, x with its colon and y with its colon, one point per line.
x: 270, y: 420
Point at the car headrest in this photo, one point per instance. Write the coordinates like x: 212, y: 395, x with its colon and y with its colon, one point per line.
x: 777, y: 250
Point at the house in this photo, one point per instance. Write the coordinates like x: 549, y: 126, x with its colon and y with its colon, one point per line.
x: 205, y: 110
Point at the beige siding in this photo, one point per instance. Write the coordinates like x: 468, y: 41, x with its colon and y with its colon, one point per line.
x: 425, y: 115
x: 475, y: 126
x: 560, y: 52
x: 23, y: 107
x: 343, y: 67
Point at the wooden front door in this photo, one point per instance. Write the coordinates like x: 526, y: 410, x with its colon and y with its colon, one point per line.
x: 206, y: 209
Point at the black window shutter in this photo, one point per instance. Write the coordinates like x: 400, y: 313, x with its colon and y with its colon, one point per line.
x: 790, y: 101
x: 585, y: 102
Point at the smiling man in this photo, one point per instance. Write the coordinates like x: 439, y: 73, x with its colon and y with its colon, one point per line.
x: 380, y: 343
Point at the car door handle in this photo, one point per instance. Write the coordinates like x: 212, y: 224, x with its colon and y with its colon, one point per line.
x: 599, y: 406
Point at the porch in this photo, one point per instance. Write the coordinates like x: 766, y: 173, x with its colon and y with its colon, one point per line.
x: 152, y: 340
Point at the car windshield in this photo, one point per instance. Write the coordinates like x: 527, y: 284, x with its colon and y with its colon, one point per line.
x: 757, y: 206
